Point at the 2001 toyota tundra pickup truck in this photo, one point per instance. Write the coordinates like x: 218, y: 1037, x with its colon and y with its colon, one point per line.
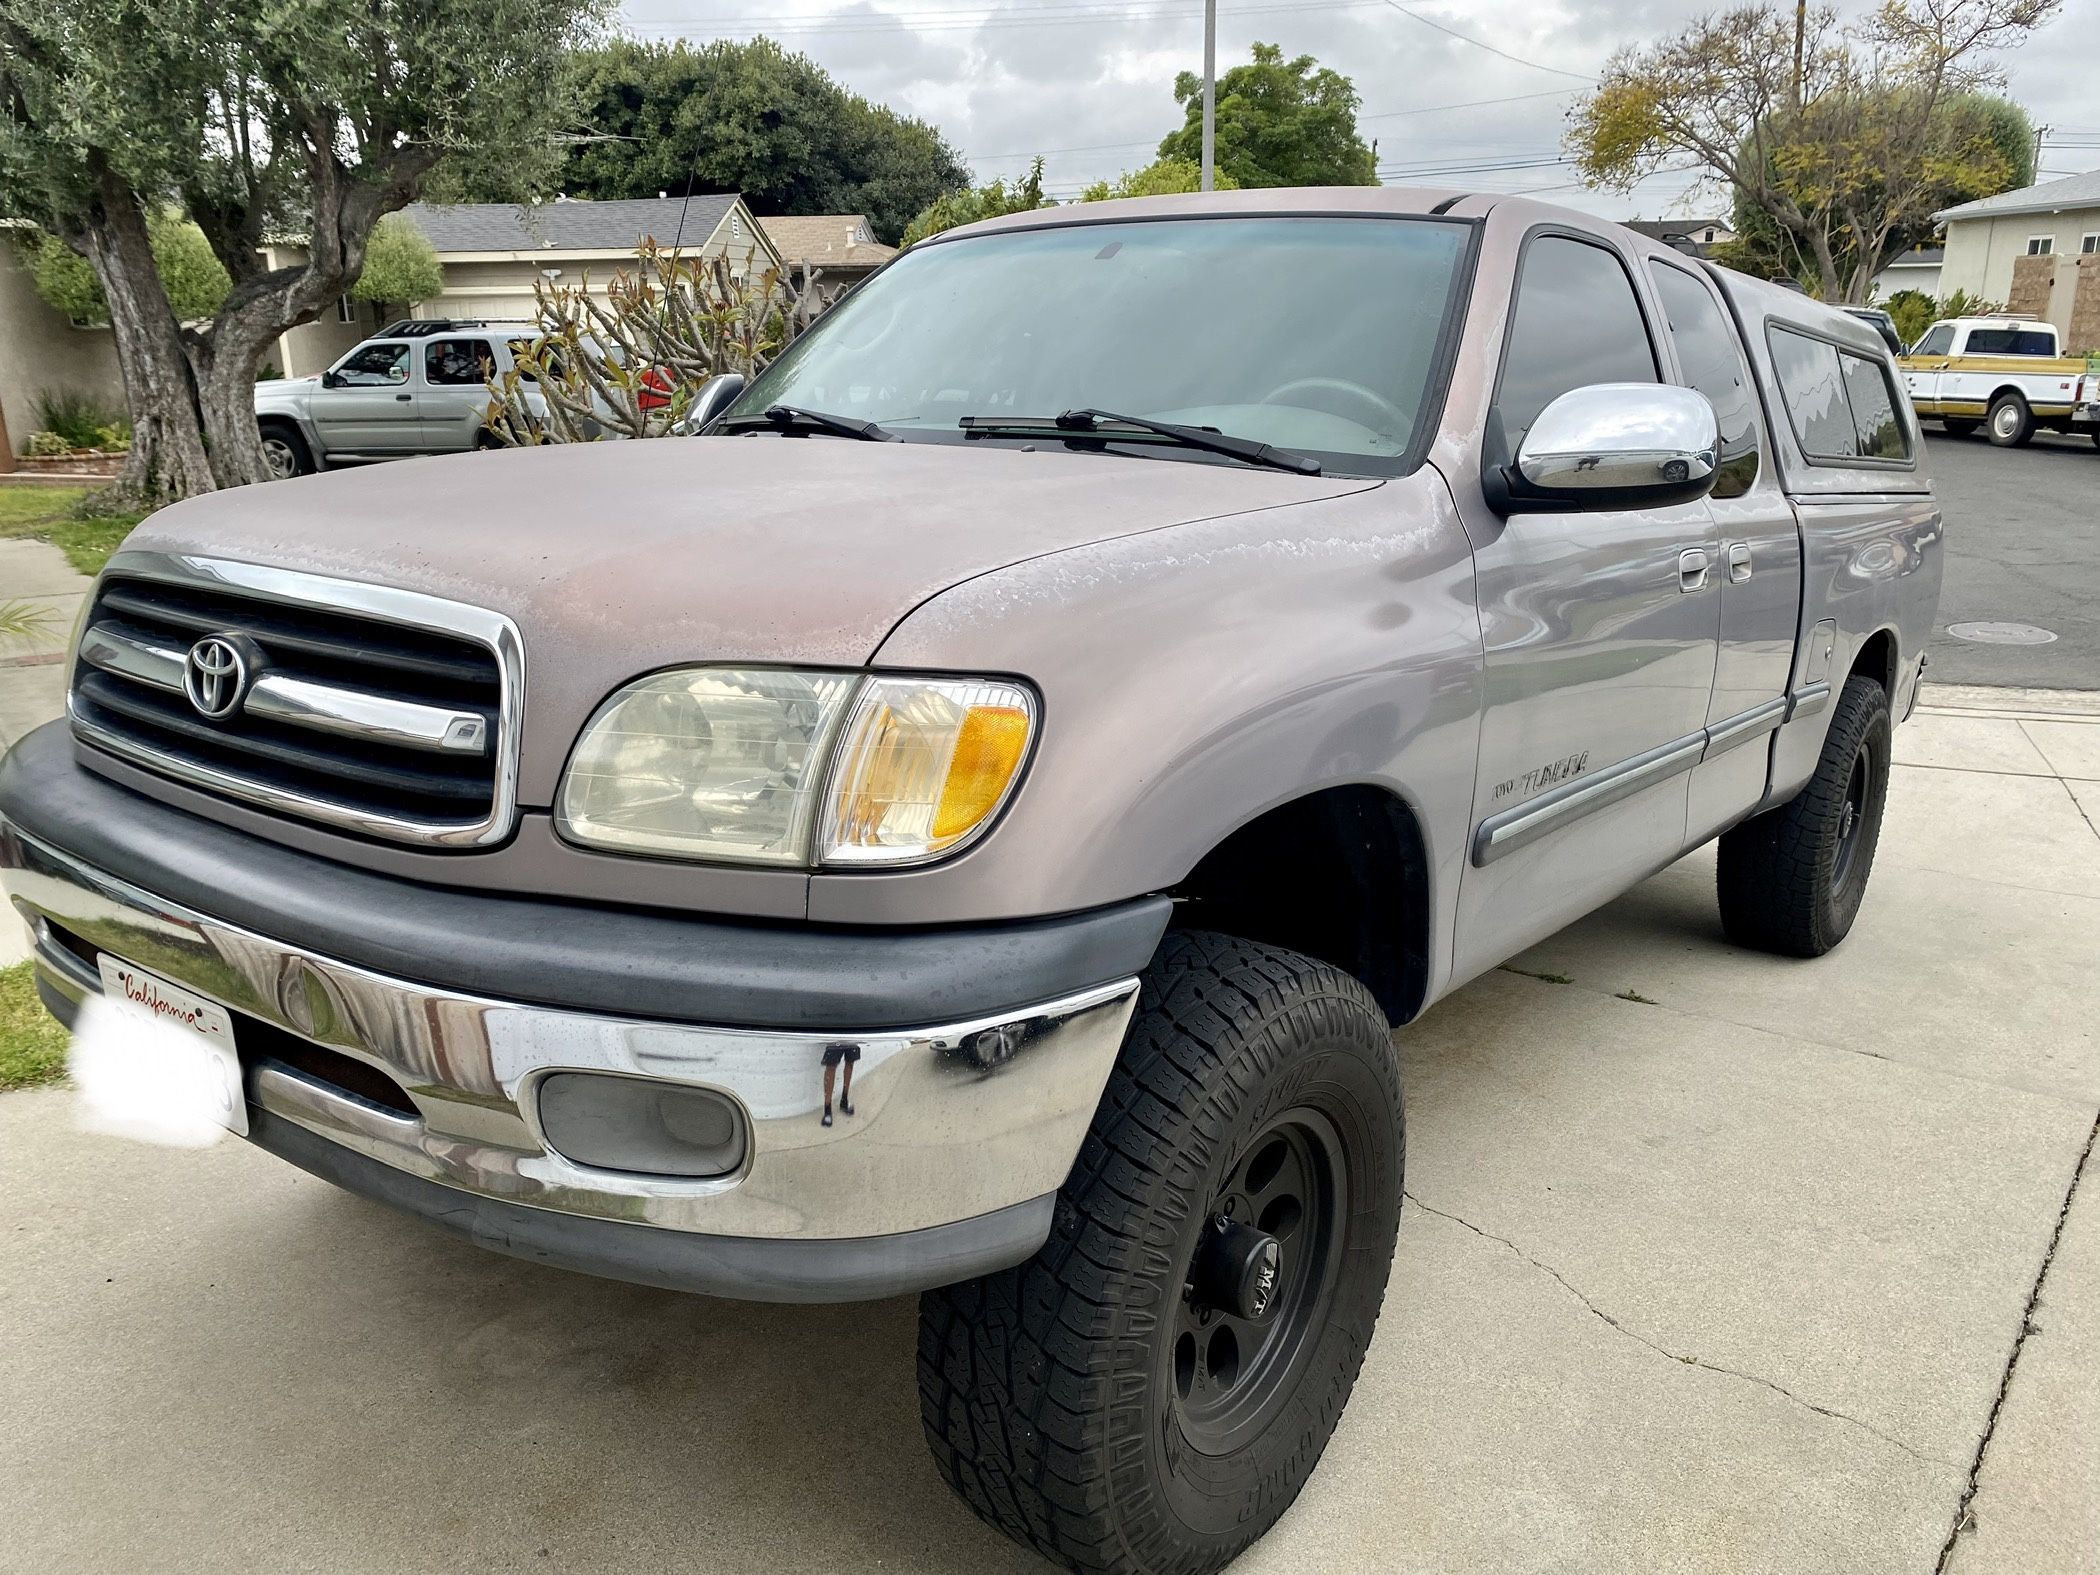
x: 970, y: 821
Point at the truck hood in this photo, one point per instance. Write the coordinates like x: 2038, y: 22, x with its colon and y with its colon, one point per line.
x: 616, y: 559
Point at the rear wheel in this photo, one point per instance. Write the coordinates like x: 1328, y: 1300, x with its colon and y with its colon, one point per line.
x: 1959, y: 427
x: 1792, y: 879
x: 285, y: 451
x: 1152, y: 1389
x: 2010, y: 423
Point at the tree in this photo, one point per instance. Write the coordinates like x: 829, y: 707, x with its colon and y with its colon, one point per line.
x: 1161, y: 178
x: 1980, y: 120
x: 1278, y: 123
x: 401, y: 266
x: 751, y: 117
x: 985, y: 202
x: 261, y: 118
x: 1843, y: 139
x: 195, y: 280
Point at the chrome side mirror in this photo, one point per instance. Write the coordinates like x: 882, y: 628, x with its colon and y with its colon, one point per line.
x: 1616, y: 446
x: 716, y: 396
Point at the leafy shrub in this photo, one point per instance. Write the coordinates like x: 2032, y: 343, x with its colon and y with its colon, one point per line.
x: 49, y: 445
x: 114, y: 438
x: 400, y: 266
x: 1914, y: 312
x: 78, y: 418
x: 196, y: 282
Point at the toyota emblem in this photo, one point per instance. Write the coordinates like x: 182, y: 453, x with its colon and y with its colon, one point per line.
x: 215, y: 676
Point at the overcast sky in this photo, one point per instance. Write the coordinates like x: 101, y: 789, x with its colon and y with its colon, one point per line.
x: 1089, y: 83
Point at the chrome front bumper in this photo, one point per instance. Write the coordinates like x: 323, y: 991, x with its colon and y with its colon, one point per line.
x: 953, y: 1122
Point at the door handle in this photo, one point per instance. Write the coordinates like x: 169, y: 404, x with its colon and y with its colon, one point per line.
x: 1739, y: 561
x: 404, y: 398
x: 1691, y: 569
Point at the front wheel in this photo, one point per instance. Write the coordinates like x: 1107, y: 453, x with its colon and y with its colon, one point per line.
x: 2010, y: 424
x: 285, y: 451
x: 1152, y: 1389
x: 1792, y: 879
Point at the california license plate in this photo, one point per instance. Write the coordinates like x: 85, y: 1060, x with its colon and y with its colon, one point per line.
x: 210, y: 1065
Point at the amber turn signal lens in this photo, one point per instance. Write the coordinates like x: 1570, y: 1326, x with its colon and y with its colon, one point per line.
x: 923, y: 765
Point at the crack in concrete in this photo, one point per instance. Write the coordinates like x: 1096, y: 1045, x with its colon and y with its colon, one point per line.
x: 1686, y: 1361
x: 1964, y: 1519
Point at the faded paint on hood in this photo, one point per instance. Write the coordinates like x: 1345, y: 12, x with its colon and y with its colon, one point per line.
x: 615, y: 559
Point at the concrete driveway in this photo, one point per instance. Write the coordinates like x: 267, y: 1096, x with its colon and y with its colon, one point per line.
x: 1711, y: 1262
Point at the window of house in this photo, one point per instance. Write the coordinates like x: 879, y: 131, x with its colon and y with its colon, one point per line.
x: 1713, y: 363
x: 2040, y: 245
x: 1576, y: 322
x: 374, y: 366
x: 2089, y: 243
x: 1842, y: 404
x: 345, y: 309
x: 1937, y: 342
x: 457, y: 363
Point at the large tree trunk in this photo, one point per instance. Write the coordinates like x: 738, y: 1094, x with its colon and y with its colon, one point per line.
x: 264, y: 305
x: 168, y: 458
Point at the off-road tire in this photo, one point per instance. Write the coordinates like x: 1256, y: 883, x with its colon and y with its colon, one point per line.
x: 1792, y: 879
x: 284, y: 437
x: 1960, y: 427
x: 1050, y: 1392
x: 2009, y: 423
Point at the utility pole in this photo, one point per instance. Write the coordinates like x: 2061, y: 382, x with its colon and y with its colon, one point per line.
x: 2039, y: 133
x: 1800, y: 46
x: 1210, y: 93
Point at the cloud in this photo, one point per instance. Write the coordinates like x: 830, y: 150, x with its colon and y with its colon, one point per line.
x: 1089, y: 83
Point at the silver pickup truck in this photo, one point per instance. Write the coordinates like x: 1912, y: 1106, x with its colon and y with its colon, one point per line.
x: 971, y: 821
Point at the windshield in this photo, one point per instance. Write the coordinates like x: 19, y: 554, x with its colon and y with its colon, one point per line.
x: 1313, y: 334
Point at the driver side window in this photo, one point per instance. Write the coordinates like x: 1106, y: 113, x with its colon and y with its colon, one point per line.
x: 1576, y: 321
x: 374, y: 366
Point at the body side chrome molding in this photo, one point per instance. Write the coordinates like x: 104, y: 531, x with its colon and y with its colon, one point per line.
x: 381, y: 603
x: 1526, y: 823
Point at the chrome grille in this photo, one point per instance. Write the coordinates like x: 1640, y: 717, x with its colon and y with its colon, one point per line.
x: 385, y: 712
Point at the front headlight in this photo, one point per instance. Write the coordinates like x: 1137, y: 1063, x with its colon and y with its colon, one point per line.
x: 706, y: 763
x: 732, y: 764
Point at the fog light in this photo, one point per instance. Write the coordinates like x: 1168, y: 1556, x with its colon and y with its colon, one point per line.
x: 637, y: 1124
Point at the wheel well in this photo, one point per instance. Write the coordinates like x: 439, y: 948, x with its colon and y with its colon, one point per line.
x: 1877, y: 660
x: 1341, y: 875
x: 1999, y: 393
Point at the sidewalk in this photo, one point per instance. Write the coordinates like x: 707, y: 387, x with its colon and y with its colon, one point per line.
x: 1710, y: 1261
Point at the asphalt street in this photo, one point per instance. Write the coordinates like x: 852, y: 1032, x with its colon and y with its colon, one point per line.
x: 2023, y: 546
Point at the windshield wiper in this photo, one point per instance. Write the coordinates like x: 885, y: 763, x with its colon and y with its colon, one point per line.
x: 1102, y: 424
x: 789, y: 418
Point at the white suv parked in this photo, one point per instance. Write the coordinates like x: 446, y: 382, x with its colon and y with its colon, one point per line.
x: 413, y: 388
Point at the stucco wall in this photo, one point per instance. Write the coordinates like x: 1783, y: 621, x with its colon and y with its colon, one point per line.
x: 41, y: 352
x: 1980, y: 252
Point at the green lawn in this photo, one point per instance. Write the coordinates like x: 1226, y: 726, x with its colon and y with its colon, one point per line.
x: 32, y: 1044
x: 51, y: 513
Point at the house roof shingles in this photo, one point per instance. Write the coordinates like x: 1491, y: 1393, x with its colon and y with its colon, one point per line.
x: 617, y: 226
x: 843, y: 240
x: 2073, y: 191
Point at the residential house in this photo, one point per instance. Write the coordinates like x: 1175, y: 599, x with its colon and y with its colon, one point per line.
x: 1697, y: 237
x: 1917, y: 269
x: 2034, y: 250
x: 41, y: 352
x: 494, y: 253
x: 840, y: 247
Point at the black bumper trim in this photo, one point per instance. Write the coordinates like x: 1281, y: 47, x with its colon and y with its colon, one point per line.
x: 855, y: 1269
x: 630, y: 961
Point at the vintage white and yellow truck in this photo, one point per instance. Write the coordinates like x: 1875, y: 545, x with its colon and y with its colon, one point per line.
x: 2007, y: 374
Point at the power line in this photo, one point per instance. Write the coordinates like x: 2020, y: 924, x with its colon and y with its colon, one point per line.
x: 1430, y: 21
x: 958, y: 21
x: 1384, y: 114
